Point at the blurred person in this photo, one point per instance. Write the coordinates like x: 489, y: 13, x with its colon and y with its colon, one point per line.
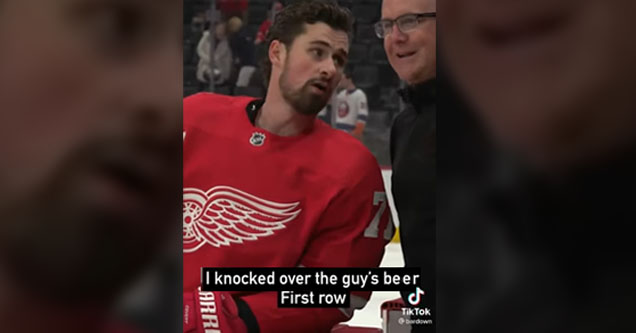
x: 199, y: 22
x: 537, y: 231
x: 261, y: 35
x: 90, y: 156
x: 221, y: 69
x: 351, y: 108
x: 304, y: 194
x: 244, y: 53
x: 408, y: 28
x: 204, y: 65
x: 234, y: 24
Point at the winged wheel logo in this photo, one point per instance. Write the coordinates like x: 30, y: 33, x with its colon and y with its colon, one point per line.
x: 224, y: 216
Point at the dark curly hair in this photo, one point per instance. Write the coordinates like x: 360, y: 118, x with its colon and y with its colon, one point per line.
x: 290, y: 23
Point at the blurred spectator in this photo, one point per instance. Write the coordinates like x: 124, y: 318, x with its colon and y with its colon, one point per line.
x: 200, y: 22
x: 243, y: 52
x: 264, y: 28
x: 351, y: 107
x: 204, y: 69
x: 221, y: 69
x: 234, y: 24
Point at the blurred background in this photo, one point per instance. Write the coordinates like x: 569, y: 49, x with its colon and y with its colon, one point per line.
x: 90, y: 166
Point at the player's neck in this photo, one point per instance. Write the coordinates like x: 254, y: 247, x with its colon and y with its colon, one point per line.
x: 280, y: 118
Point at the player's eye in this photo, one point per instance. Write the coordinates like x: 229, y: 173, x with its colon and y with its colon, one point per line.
x: 339, y: 61
x: 317, y: 53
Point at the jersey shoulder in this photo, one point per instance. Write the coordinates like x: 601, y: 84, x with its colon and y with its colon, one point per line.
x: 359, y: 93
x: 206, y: 109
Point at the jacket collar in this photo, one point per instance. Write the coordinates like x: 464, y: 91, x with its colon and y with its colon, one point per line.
x: 420, y: 94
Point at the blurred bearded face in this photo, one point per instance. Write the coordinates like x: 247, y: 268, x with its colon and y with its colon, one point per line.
x: 553, y: 80
x: 90, y: 127
x: 313, y: 66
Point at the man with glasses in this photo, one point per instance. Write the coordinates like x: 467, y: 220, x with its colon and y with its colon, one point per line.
x: 408, y: 28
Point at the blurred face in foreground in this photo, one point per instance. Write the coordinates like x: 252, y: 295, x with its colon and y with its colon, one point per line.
x: 553, y: 80
x: 90, y: 128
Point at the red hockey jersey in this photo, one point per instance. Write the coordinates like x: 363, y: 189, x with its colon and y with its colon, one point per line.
x: 255, y: 199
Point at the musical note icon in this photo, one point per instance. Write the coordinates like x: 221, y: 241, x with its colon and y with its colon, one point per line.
x: 414, y: 298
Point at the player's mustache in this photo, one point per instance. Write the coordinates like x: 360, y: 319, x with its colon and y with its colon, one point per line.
x: 324, y: 83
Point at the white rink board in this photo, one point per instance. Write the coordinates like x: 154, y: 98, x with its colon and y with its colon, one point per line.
x: 370, y: 315
x: 386, y: 176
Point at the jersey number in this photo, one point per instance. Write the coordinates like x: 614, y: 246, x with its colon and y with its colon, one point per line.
x: 372, y: 231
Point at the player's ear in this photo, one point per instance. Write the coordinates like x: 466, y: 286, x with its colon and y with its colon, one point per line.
x: 277, y: 53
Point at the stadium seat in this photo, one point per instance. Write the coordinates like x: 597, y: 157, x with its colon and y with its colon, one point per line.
x: 378, y: 54
x: 190, y: 75
x: 387, y: 76
x: 248, y: 91
x: 189, y: 90
x: 373, y: 97
x: 252, y: 30
x: 346, y: 3
x: 189, y: 52
x: 389, y: 98
x: 365, y: 33
x: 257, y: 13
x: 358, y: 53
x: 365, y: 76
x: 366, y: 13
x: 223, y: 90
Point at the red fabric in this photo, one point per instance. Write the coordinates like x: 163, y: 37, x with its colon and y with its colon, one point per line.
x: 232, y: 6
x: 205, y: 312
x: 261, y: 35
x: 352, y: 329
x: 325, y: 184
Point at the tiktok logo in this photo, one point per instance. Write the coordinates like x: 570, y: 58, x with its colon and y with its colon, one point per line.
x: 414, y: 298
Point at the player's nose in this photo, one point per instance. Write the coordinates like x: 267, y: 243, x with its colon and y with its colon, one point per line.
x: 328, y: 68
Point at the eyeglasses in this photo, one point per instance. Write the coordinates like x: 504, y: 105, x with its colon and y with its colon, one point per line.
x: 405, y: 23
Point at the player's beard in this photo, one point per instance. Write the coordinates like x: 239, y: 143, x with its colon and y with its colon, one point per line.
x: 303, y: 100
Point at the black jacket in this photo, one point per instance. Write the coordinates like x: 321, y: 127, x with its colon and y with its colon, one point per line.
x: 413, y: 158
x: 523, y: 251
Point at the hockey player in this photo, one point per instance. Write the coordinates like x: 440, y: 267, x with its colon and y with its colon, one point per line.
x: 266, y: 184
x: 352, y: 111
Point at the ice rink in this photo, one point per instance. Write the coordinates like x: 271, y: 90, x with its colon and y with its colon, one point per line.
x: 370, y: 315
